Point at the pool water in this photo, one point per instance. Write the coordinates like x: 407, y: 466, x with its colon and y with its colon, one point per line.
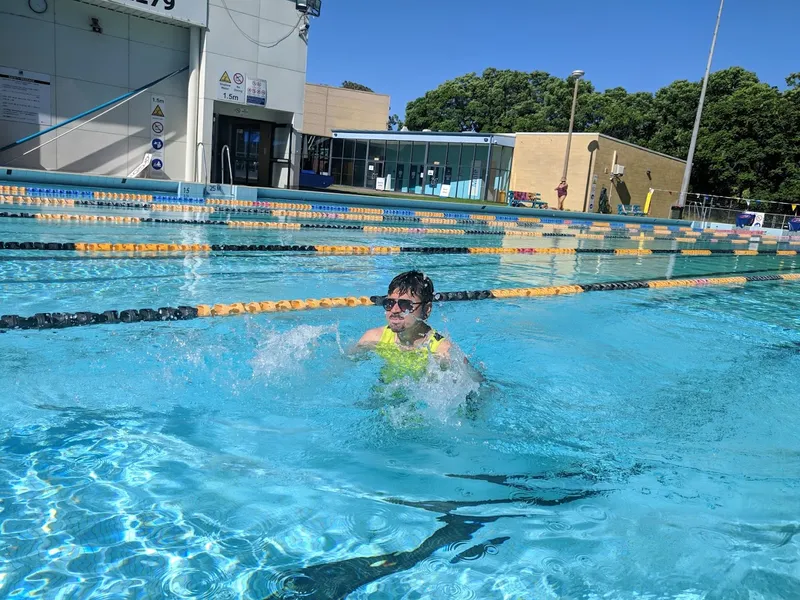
x: 632, y: 444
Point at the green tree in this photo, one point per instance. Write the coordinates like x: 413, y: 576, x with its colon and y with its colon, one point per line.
x: 395, y: 123
x: 352, y: 85
x: 749, y: 139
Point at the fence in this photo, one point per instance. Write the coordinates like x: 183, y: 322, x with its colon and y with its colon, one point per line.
x: 706, y: 212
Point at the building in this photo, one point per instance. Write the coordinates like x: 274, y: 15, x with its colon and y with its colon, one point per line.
x: 472, y: 166
x: 215, y: 90
x: 328, y: 108
x: 476, y: 166
x: 594, y: 159
x: 239, y: 86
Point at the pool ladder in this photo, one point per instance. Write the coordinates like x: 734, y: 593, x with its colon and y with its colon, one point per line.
x: 226, y: 151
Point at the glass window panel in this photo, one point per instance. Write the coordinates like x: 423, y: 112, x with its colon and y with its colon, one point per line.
x: 497, y: 155
x: 336, y: 170
x: 377, y: 150
x: 359, y: 171
x: 347, y: 171
x: 479, y: 172
x: 437, y: 154
x: 467, y: 155
x: 391, y: 176
x: 361, y: 149
x: 391, y: 151
x: 404, y: 152
x: 402, y: 179
x: 453, y: 155
x: 338, y: 148
x: 505, y: 161
x: 349, y: 148
x: 280, y: 144
x: 464, y: 180
x: 418, y: 152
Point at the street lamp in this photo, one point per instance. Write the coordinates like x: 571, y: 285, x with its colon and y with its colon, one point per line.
x: 576, y: 75
x: 687, y: 174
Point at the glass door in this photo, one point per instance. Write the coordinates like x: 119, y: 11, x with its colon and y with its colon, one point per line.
x: 433, y: 180
x: 245, y: 153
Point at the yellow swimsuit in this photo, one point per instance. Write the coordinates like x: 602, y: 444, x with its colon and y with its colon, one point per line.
x: 405, y: 363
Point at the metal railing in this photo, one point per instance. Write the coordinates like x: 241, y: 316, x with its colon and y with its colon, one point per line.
x: 226, y: 149
x: 704, y: 212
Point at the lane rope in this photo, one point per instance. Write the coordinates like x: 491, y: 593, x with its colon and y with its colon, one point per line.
x: 185, y: 313
x: 116, y: 219
x: 160, y: 247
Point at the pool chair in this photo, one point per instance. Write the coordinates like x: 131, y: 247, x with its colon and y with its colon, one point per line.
x: 637, y: 210
x: 622, y: 210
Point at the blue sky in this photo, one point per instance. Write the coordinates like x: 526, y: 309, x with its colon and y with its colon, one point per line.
x: 406, y: 47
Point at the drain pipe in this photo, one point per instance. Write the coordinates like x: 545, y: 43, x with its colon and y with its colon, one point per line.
x: 190, y: 170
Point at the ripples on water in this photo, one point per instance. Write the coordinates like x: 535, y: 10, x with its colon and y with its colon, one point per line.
x: 629, y: 445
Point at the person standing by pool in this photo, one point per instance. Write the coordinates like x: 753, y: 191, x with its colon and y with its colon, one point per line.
x: 561, y: 190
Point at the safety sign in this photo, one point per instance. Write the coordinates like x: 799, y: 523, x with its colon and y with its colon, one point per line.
x: 231, y: 89
x: 158, y: 117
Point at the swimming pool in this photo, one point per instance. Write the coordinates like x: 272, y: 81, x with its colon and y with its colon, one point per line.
x: 636, y: 444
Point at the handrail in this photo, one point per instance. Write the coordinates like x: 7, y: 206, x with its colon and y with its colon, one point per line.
x: 222, y: 160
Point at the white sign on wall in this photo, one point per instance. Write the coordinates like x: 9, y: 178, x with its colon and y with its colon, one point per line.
x: 445, y: 191
x: 257, y: 92
x: 25, y: 97
x: 191, y: 12
x: 231, y: 88
x: 380, y: 184
x: 158, y: 131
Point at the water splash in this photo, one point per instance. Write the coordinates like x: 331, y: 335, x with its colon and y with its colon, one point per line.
x: 282, y: 353
x: 445, y: 394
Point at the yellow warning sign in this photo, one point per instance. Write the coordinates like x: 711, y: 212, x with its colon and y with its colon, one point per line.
x: 225, y: 78
x: 157, y: 112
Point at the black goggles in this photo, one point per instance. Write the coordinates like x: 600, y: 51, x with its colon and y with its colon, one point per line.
x: 406, y: 306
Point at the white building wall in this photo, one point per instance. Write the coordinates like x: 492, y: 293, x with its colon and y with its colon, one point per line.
x: 283, y: 66
x: 88, y: 69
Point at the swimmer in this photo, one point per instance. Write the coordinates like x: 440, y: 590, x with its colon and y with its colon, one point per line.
x: 407, y: 342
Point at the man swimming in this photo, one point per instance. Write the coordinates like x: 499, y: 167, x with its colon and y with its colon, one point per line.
x: 408, y: 345
x: 408, y: 304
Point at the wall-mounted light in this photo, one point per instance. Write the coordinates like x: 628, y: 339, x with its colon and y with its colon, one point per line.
x: 95, y: 22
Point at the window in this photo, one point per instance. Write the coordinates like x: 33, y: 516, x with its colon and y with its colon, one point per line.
x: 349, y: 148
x: 360, y: 171
x: 361, y: 149
x: 377, y: 150
x: 391, y: 151
x: 404, y: 155
x: 418, y: 153
x: 338, y: 148
x: 437, y: 154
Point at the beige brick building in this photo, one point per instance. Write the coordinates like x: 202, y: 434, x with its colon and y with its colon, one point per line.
x: 328, y: 108
x: 539, y: 161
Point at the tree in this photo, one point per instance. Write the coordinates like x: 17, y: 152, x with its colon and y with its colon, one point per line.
x: 749, y: 139
x: 352, y: 85
x: 395, y: 123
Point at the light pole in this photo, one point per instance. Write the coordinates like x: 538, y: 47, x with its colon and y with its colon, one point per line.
x: 577, y: 76
x: 687, y: 174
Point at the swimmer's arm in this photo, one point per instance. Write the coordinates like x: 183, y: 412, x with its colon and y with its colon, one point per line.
x: 369, y: 340
x: 443, y: 353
